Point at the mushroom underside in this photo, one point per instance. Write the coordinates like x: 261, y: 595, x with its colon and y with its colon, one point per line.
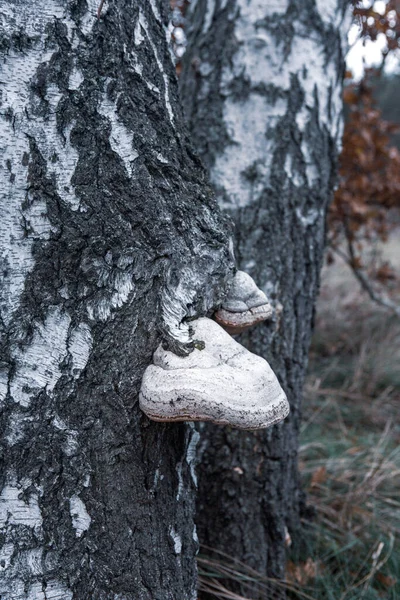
x: 236, y: 322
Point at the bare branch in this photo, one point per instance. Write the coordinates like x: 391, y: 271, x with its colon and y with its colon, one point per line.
x: 365, y: 282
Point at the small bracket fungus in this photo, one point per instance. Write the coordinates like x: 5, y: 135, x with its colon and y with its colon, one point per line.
x: 244, y: 306
x: 223, y: 383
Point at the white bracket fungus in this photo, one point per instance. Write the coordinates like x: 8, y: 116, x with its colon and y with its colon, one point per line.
x: 223, y: 383
x: 244, y: 306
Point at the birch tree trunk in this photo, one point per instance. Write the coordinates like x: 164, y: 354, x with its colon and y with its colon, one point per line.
x: 110, y: 237
x: 262, y: 91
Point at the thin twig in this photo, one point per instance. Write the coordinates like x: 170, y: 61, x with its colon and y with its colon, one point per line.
x: 364, y: 281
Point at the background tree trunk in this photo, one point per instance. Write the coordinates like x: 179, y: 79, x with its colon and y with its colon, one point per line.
x: 109, y: 238
x: 262, y: 91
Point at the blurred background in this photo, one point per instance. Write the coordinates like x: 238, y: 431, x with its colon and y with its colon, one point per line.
x: 350, y: 453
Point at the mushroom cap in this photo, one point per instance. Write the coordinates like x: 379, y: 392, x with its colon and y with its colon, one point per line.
x: 244, y: 306
x: 223, y: 383
x: 243, y: 294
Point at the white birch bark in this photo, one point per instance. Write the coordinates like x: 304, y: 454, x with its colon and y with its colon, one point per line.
x: 109, y: 239
x: 262, y: 91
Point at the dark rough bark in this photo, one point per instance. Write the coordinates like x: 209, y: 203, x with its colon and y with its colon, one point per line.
x: 261, y: 86
x: 109, y: 237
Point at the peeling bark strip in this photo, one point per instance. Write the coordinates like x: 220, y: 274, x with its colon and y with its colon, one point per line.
x: 262, y: 85
x: 110, y: 237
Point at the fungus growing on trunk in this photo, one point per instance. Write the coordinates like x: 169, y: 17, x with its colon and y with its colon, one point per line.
x: 223, y: 383
x: 244, y: 306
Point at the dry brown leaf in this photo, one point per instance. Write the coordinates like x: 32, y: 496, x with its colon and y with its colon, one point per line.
x: 302, y: 573
x: 355, y: 450
x: 319, y: 476
x: 386, y: 580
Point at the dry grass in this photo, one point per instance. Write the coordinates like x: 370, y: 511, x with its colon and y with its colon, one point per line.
x: 349, y: 459
x: 352, y: 475
x: 350, y: 454
x: 215, y: 574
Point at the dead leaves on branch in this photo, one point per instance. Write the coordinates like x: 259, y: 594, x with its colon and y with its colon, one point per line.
x: 369, y: 176
x: 369, y: 171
